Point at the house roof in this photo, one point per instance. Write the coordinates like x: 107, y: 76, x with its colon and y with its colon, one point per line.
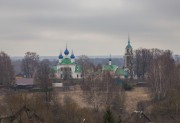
x: 121, y: 72
x: 109, y: 67
x: 24, y: 81
x: 66, y: 61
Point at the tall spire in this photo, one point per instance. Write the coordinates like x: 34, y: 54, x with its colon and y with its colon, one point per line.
x: 129, y: 43
x: 128, y: 38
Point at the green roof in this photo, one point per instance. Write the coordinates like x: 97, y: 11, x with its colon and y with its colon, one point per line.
x: 78, y: 69
x: 66, y: 61
x: 109, y: 67
x: 129, y: 45
x: 121, y: 72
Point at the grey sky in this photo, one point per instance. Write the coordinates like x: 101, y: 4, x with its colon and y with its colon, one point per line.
x: 91, y: 27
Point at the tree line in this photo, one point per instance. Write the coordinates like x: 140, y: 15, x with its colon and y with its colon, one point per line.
x: 155, y: 66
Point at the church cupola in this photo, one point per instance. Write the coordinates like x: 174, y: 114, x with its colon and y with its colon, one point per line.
x: 66, y: 52
x: 110, y: 60
x: 129, y: 47
x: 72, y: 56
x: 60, y: 56
x: 129, y: 44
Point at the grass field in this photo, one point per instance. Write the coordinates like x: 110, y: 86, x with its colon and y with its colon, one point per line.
x: 132, y: 97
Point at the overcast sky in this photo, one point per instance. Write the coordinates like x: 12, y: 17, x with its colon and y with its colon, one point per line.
x: 90, y: 27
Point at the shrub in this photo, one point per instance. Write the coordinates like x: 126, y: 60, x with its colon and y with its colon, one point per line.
x: 126, y: 86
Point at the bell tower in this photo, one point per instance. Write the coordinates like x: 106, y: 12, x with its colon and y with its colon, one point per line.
x: 128, y: 57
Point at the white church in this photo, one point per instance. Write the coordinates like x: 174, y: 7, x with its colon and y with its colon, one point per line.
x: 67, y: 66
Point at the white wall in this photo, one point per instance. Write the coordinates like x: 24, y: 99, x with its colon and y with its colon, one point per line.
x: 72, y: 66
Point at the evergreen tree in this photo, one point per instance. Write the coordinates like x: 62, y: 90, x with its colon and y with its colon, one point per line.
x: 108, y: 116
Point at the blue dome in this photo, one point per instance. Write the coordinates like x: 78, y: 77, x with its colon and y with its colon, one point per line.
x: 60, y: 56
x: 72, y: 56
x: 66, y: 52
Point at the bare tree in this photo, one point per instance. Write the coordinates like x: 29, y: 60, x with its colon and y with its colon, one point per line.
x: 6, y: 70
x: 91, y: 87
x: 29, y: 64
x: 137, y: 61
x: 98, y: 68
x: 100, y: 91
x: 142, y: 60
x: 161, y: 75
x: 146, y: 60
x: 86, y: 66
x: 42, y: 77
x: 12, y: 103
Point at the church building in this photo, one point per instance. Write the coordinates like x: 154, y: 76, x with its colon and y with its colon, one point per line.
x: 67, y: 67
x: 114, y: 70
x: 127, y: 70
x: 128, y: 58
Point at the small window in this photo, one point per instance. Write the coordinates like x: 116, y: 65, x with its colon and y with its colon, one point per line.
x: 77, y: 76
x: 61, y: 76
